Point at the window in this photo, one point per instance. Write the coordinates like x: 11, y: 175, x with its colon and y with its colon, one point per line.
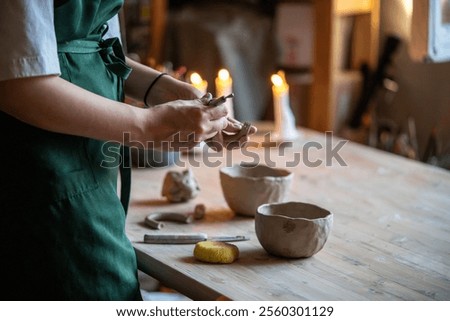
x: 430, y: 32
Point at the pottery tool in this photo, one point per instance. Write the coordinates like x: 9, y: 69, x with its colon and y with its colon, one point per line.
x: 412, y: 133
x: 189, y: 238
x: 220, y: 100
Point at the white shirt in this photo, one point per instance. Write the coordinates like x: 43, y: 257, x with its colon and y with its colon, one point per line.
x: 28, y: 41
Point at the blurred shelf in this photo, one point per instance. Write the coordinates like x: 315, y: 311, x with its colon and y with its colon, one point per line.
x: 328, y: 13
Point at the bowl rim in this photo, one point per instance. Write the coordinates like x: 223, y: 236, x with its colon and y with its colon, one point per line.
x: 327, y: 216
x: 284, y: 173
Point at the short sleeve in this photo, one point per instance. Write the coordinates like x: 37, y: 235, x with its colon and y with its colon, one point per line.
x: 113, y: 28
x: 27, y: 39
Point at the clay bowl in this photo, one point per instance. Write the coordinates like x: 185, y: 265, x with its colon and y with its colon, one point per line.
x: 245, y: 187
x: 292, y: 229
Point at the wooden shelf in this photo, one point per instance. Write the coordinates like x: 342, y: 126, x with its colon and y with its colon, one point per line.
x: 158, y: 21
x: 345, y: 7
x: 325, y: 68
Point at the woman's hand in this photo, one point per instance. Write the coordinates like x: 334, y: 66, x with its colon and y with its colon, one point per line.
x: 178, y: 114
x: 235, y: 135
x: 183, y: 124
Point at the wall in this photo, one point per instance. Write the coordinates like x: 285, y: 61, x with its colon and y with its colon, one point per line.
x: 424, y: 89
x: 219, y: 34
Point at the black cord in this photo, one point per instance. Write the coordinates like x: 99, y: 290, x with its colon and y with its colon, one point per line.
x: 151, y: 85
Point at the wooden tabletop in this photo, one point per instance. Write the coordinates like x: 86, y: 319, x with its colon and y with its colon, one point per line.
x: 390, y: 238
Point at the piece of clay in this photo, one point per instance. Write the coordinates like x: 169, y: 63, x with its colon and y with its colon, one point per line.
x: 245, y: 129
x: 199, y: 211
x: 180, y: 186
x: 218, y: 140
x: 154, y: 220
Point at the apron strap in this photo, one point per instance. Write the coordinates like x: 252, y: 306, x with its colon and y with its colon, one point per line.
x: 125, y: 177
x: 112, y: 55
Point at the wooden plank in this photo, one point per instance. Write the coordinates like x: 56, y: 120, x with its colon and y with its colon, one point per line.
x: 419, y: 30
x: 157, y: 28
x: 352, y: 7
x: 321, y: 91
x: 361, y: 45
x: 365, y: 45
x: 175, y: 280
x: 364, y: 50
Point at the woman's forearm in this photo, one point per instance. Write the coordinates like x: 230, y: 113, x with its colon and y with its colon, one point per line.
x: 164, y: 90
x: 140, y: 78
x: 53, y: 104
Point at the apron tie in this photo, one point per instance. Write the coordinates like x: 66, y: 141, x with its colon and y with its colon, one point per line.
x: 114, y: 58
x: 110, y: 50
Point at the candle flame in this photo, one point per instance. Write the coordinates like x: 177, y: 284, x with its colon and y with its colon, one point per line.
x: 282, y: 75
x: 277, y: 80
x: 196, y: 79
x: 224, y: 74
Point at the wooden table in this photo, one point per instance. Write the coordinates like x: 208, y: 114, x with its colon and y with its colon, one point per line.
x: 390, y: 239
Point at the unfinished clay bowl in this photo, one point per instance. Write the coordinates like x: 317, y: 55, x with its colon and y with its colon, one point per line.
x: 245, y: 187
x: 292, y: 229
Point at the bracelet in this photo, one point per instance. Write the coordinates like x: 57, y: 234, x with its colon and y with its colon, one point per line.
x: 151, y: 85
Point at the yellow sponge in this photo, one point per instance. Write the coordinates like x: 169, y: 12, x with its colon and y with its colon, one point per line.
x: 216, y: 252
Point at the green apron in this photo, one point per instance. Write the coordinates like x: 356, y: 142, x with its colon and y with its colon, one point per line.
x: 63, y: 225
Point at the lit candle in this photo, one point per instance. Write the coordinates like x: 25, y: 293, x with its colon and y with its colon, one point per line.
x: 199, y: 83
x: 224, y: 87
x: 283, y: 116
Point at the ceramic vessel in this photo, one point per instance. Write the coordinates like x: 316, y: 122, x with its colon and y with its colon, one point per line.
x: 245, y: 187
x: 292, y: 229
